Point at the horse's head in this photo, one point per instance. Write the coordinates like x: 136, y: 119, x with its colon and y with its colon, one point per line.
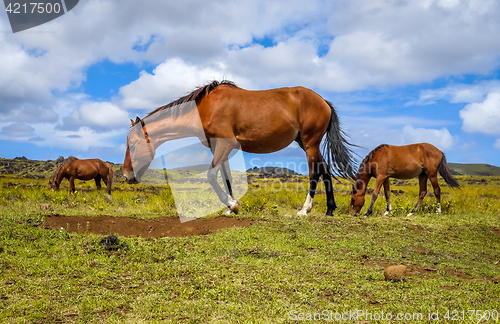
x: 139, y: 154
x: 357, y: 197
x: 52, y: 185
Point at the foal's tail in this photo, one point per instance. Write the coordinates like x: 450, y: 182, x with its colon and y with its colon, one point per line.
x: 336, y: 149
x: 445, y: 172
x: 109, y: 183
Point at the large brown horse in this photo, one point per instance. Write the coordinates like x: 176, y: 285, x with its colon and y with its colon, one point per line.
x: 401, y: 162
x: 226, y: 117
x: 73, y: 168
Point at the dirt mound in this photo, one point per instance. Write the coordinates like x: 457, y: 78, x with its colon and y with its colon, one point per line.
x: 132, y: 227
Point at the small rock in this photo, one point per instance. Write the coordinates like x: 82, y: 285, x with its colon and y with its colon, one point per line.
x: 395, y: 273
x: 45, y: 207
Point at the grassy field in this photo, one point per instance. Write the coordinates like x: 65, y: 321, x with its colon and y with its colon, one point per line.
x: 280, y: 269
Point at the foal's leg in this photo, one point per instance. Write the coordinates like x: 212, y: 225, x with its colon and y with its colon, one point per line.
x: 378, y: 184
x: 387, y: 192
x: 422, y: 179
x: 437, y: 191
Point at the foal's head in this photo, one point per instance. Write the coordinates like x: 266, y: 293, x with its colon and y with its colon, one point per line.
x: 357, y: 197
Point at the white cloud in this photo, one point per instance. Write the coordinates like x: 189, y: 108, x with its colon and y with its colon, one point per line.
x: 468, y: 146
x: 369, y: 137
x: 497, y: 144
x: 96, y: 115
x: 482, y: 117
x: 17, y: 130
x: 169, y: 81
x: 441, y: 138
x: 457, y: 93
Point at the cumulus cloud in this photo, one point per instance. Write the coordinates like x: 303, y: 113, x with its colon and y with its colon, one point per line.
x: 441, y: 138
x: 95, y: 115
x: 17, y: 130
x: 169, y: 80
x: 483, y: 117
x: 457, y: 93
x: 497, y: 144
x: 369, y: 137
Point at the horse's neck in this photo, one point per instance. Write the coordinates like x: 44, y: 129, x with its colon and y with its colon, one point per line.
x: 364, y: 174
x: 60, y: 176
x: 167, y: 128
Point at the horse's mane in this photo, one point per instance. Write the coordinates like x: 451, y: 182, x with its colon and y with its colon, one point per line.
x: 63, y: 164
x: 196, y: 95
x: 368, y: 158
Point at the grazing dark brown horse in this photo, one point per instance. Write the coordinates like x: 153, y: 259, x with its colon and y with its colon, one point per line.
x: 73, y: 168
x: 225, y: 117
x: 401, y: 162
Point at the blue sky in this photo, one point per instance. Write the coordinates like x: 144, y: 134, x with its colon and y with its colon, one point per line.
x: 398, y: 72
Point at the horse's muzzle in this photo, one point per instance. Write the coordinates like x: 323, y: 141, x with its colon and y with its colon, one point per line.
x: 131, y: 181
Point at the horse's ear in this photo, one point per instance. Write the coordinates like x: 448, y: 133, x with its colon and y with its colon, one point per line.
x: 132, y: 121
x: 137, y: 119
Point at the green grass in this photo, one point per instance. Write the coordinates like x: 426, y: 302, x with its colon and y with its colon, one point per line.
x: 257, y: 274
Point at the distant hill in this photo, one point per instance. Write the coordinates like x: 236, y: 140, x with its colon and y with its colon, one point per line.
x: 272, y: 170
x: 475, y: 169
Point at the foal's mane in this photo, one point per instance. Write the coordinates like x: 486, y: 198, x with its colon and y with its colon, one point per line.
x: 196, y: 95
x: 368, y: 158
x: 63, y: 164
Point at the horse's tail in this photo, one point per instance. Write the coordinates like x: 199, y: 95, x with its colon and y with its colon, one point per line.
x: 445, y: 172
x: 109, y: 183
x: 336, y: 149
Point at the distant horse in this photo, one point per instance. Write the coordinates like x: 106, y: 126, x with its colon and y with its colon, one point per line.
x: 73, y: 168
x: 401, y: 162
x: 253, y: 121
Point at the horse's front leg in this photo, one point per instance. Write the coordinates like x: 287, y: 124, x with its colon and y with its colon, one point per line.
x: 387, y: 192
x: 71, y: 187
x: 378, y: 185
x: 225, y: 198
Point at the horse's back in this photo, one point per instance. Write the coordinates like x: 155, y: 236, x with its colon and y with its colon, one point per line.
x: 263, y: 121
x: 407, y: 161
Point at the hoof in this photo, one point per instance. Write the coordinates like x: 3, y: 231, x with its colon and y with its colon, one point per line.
x: 410, y: 214
x: 387, y: 213
x: 234, y: 206
x: 227, y: 211
x: 301, y: 213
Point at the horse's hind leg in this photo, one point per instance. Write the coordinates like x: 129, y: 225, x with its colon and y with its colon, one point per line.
x: 422, y: 179
x: 313, y: 161
x: 327, y: 180
x: 437, y: 191
x: 387, y: 192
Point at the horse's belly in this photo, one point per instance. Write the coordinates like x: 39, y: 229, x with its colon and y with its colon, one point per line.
x: 266, y: 144
x: 407, y: 174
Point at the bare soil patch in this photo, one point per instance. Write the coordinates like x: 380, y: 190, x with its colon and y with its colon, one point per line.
x: 132, y: 227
